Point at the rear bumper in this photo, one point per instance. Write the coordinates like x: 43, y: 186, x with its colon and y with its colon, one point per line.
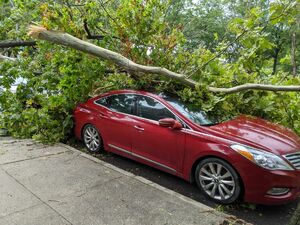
x: 77, y: 129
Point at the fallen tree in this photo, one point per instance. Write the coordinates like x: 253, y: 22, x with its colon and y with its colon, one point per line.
x: 68, y: 40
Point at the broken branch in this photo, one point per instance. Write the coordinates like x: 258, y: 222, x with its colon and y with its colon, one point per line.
x: 75, y: 43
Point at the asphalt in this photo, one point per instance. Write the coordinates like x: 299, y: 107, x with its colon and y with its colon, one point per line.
x: 57, y: 184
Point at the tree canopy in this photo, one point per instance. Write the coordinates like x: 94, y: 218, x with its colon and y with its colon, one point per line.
x: 219, y: 43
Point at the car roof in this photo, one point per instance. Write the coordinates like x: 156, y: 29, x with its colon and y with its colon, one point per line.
x: 160, y: 97
x: 127, y: 91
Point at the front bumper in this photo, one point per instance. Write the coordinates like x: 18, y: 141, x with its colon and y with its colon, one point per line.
x: 258, y: 181
x: 273, y: 179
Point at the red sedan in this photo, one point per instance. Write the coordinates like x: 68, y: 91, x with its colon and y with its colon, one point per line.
x: 246, y: 158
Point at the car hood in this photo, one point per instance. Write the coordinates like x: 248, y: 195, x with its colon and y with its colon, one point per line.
x: 260, y: 133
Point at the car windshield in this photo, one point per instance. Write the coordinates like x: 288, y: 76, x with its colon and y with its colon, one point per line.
x: 197, y: 116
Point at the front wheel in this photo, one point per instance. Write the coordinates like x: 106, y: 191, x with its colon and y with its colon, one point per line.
x: 91, y: 138
x: 218, y: 180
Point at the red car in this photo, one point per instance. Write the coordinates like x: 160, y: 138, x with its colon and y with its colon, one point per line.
x: 246, y: 158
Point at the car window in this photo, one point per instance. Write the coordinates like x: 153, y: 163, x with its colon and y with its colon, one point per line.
x: 124, y: 103
x: 151, y: 109
x: 102, y: 101
x: 190, y: 111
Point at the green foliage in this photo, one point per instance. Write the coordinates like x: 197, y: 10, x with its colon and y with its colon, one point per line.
x: 242, y: 43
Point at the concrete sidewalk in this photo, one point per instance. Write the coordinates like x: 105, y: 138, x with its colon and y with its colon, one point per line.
x: 56, y: 185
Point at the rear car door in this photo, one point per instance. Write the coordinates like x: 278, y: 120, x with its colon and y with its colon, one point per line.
x: 153, y: 144
x: 117, y: 122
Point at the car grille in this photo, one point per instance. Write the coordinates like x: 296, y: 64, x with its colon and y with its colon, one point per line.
x: 294, y: 159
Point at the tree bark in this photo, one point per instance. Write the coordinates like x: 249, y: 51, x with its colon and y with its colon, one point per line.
x: 12, y: 43
x: 75, y: 43
x: 294, y: 64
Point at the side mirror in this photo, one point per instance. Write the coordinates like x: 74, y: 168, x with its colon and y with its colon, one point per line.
x: 169, y: 122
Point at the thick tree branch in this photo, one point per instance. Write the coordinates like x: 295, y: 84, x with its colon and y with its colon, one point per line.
x: 75, y: 43
x: 13, y: 43
x: 250, y: 86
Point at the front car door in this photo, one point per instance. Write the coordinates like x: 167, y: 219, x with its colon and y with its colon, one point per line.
x: 152, y: 144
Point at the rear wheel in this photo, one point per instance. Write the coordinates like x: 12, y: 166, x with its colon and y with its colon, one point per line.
x: 92, y: 138
x: 218, y: 180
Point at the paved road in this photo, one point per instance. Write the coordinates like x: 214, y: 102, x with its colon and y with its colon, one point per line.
x: 256, y: 214
x: 58, y: 185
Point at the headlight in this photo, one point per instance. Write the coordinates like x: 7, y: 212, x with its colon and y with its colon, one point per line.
x: 264, y: 159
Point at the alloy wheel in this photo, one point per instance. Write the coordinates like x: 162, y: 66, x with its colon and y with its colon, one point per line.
x: 217, y: 181
x: 92, y: 138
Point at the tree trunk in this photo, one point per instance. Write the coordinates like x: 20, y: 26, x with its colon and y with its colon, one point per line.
x: 293, y: 54
x: 75, y: 43
x: 277, y: 50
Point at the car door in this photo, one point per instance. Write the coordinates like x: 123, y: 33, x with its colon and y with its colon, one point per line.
x: 153, y: 144
x: 117, y: 122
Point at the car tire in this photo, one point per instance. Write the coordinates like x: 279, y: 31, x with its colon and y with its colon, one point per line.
x: 92, y: 139
x: 218, y: 180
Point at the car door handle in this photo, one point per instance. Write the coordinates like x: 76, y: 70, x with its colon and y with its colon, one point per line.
x: 139, y: 128
x: 101, y: 115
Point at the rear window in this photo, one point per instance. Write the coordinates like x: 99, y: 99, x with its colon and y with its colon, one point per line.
x: 124, y: 103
